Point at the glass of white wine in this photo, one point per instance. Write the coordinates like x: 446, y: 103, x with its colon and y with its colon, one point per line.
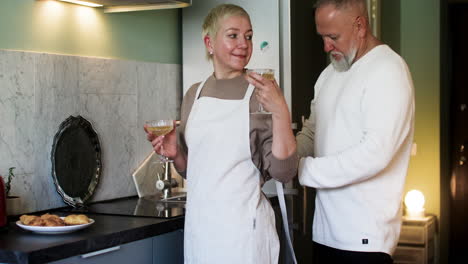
x: 268, y: 74
x: 160, y: 127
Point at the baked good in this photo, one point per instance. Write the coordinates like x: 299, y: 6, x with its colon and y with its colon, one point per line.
x: 32, y: 220
x: 76, y: 219
x: 43, y: 220
x: 52, y: 220
x: 37, y: 222
x: 28, y: 219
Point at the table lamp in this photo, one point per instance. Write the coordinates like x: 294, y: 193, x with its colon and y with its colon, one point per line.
x: 414, y: 202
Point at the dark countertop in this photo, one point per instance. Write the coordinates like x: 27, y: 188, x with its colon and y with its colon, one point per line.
x: 20, y: 246
x: 117, y: 222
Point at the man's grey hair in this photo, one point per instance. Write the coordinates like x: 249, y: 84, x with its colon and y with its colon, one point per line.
x: 343, y: 4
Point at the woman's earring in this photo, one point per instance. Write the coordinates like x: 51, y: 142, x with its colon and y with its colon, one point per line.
x: 211, y: 52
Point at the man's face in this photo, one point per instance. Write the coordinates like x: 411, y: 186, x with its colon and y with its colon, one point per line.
x: 339, y: 35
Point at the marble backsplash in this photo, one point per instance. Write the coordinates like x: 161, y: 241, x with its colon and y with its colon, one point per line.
x: 39, y: 91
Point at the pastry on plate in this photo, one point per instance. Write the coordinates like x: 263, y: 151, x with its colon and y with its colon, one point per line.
x: 76, y: 219
x: 52, y: 220
x: 28, y: 219
x: 37, y: 222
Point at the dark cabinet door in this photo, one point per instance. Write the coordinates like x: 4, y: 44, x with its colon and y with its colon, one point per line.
x: 458, y: 120
x: 308, y: 61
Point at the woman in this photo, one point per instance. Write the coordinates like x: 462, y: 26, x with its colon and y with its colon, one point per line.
x: 227, y: 154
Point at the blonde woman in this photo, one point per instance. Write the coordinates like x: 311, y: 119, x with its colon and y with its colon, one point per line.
x: 227, y: 154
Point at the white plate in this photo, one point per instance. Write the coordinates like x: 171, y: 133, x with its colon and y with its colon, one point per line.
x: 54, y: 229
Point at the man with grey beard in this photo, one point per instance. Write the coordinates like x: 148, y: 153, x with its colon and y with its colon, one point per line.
x: 356, y: 143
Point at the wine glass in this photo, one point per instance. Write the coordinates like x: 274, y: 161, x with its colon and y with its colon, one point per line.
x: 160, y: 127
x: 268, y: 74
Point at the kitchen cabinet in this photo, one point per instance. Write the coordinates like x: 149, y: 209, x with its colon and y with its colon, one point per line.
x: 417, y: 241
x: 169, y: 248
x: 162, y: 249
x: 134, y: 252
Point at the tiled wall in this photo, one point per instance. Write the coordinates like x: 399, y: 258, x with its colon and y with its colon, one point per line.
x: 39, y: 91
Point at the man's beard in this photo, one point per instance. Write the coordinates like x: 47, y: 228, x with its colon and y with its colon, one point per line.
x: 345, y: 62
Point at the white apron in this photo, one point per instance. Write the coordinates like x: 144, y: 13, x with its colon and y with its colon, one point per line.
x: 228, y: 219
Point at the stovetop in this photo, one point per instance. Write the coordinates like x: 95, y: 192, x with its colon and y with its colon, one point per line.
x: 134, y: 206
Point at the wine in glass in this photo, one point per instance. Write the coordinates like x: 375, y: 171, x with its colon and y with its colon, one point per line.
x: 160, y: 127
x: 268, y: 74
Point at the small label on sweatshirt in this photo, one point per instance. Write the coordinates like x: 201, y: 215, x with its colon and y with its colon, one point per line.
x: 365, y: 241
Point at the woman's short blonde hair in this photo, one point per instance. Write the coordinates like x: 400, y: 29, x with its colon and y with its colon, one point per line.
x: 214, y: 17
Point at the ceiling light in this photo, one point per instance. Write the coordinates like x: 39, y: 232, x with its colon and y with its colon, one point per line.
x: 130, y: 8
x: 82, y: 3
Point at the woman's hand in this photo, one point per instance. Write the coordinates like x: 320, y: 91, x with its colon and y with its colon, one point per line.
x: 164, y: 145
x: 272, y: 99
x: 268, y: 93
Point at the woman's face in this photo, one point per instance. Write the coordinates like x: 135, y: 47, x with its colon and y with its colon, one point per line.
x: 232, y: 46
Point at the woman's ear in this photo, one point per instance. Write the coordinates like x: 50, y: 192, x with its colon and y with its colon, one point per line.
x: 208, y: 46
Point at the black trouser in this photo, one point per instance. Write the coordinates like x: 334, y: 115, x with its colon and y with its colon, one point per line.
x: 328, y: 255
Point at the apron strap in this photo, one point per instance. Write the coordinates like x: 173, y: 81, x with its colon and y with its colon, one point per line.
x: 284, y: 214
x: 249, y: 92
x: 199, y: 88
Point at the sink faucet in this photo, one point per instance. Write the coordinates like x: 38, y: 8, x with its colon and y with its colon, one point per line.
x: 167, y: 182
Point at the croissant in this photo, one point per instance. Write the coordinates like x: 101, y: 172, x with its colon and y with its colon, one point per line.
x: 76, y: 219
x: 53, y: 220
x: 28, y: 219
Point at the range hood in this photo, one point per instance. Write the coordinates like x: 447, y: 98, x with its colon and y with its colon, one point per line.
x: 112, y: 6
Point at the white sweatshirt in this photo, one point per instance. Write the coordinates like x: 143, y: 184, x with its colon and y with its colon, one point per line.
x: 363, y: 125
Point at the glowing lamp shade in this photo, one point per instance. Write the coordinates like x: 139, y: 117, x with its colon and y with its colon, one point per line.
x: 414, y: 202
x: 85, y: 3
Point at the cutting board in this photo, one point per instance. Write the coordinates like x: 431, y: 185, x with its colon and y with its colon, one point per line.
x: 145, y: 176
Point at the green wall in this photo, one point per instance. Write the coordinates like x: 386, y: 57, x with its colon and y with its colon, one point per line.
x: 420, y: 46
x: 62, y: 28
x: 412, y: 28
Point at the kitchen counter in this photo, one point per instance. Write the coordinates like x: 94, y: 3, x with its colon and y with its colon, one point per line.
x: 20, y: 246
x: 136, y: 219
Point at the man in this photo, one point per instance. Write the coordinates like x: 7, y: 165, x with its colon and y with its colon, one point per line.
x: 356, y: 144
